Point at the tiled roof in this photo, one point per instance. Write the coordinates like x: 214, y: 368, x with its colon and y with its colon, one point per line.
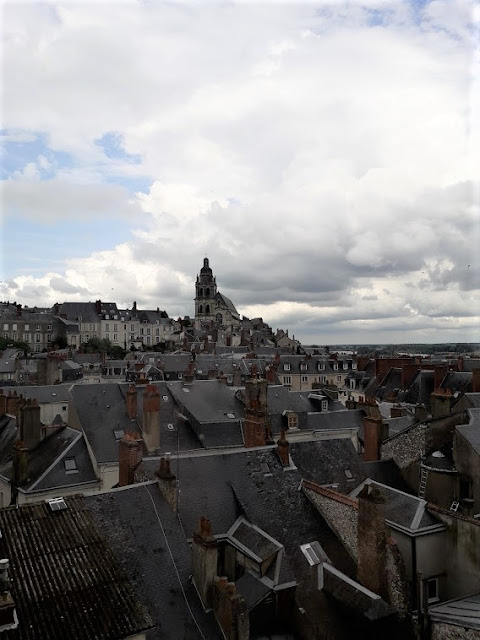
x: 45, y: 393
x: 66, y: 582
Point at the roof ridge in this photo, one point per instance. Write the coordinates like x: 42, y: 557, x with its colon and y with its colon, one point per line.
x: 330, y: 493
x: 434, y: 507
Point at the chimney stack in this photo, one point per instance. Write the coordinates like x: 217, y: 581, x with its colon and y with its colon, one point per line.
x: 30, y: 425
x: 3, y: 403
x: 131, y: 402
x: 231, y: 609
x: 372, y: 541
x: 441, y: 403
x: 167, y: 483
x: 475, y: 382
x: 20, y: 463
x: 151, y: 418
x: 204, y: 561
x: 372, y: 438
x: 283, y: 449
x: 256, y: 430
x: 129, y: 457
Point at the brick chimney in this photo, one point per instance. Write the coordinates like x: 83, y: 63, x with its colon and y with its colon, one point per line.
x: 189, y: 375
x: 231, y: 609
x: 204, y: 561
x: 167, y: 483
x: 151, y: 418
x: 20, y: 463
x: 270, y: 374
x: 131, y: 402
x: 98, y: 307
x: 283, y: 449
x: 30, y: 425
x: 421, y: 412
x: 441, y: 403
x: 475, y: 382
x: 372, y: 438
x: 129, y: 457
x: 372, y: 541
x: 256, y: 430
x: 11, y: 404
x: 398, y: 411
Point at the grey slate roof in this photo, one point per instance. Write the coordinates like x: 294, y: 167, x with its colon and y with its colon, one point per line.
x: 44, y: 394
x: 65, y: 580
x: 137, y: 523
x: 101, y: 410
x: 471, y: 431
x: 463, y: 612
x: 401, y: 509
x: 8, y: 435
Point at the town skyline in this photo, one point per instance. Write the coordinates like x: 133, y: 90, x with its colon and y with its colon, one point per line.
x: 320, y: 156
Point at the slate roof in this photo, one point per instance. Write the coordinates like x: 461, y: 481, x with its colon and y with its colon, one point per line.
x: 474, y: 399
x: 74, y: 310
x: 471, y: 431
x: 254, y: 540
x: 331, y: 420
x: 401, y: 509
x: 8, y: 435
x: 137, y: 523
x: 65, y: 580
x: 49, y: 453
x: 44, y: 394
x: 223, y: 300
x: 463, y: 612
x: 457, y: 381
x: 101, y: 411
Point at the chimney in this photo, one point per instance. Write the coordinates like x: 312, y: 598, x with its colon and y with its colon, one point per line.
x: 475, y: 382
x: 98, y: 306
x: 440, y: 403
x: 3, y: 403
x: 204, y: 561
x: 270, y: 374
x: 131, y: 402
x: 31, y: 427
x: 19, y: 310
x: 8, y: 615
x: 20, y: 463
x: 372, y: 438
x: 134, y: 306
x: 256, y: 430
x: 397, y: 411
x: 167, y: 483
x: 129, y: 457
x: 151, y: 418
x: 230, y: 609
x: 283, y: 449
x: 11, y: 404
x: 421, y: 412
x: 190, y: 373
x: 372, y: 541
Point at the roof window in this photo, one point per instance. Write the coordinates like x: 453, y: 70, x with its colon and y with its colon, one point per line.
x: 56, y: 504
x: 118, y: 433
x: 70, y: 465
x: 231, y: 415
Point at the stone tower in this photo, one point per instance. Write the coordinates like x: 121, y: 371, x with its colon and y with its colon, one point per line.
x: 205, y: 295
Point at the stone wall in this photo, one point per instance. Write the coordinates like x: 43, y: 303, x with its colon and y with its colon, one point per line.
x: 406, y: 447
x: 397, y: 583
x: 443, y: 631
x: 340, y: 512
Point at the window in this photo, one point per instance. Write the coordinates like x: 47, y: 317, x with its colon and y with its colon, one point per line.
x: 26, y: 337
x: 157, y: 339
x: 49, y: 327
x: 141, y: 331
x: 115, y: 337
x: 107, y: 336
x: 107, y: 327
x: 118, y: 433
x: 287, y: 379
x: 324, y: 405
x: 207, y: 308
x: 345, y: 365
x: 304, y: 378
x: 207, y: 292
x: 38, y: 348
x: 148, y: 339
x: 432, y: 588
x: 286, y: 367
x: 335, y: 366
x: 321, y: 366
x: 115, y: 327
x: 14, y: 327
x: 132, y: 327
x: 292, y: 421
x: 14, y: 336
x: 27, y: 327
x: 200, y: 309
x: 49, y: 337
x: 303, y: 366
x: 149, y: 331
x: 339, y: 378
x: 5, y: 327
x: 37, y: 327
x: 200, y: 292
x: 157, y: 331
x: 70, y: 466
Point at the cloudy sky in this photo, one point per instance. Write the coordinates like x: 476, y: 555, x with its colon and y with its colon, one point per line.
x: 322, y: 155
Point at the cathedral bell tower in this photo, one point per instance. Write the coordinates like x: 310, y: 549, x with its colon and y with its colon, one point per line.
x: 205, y: 295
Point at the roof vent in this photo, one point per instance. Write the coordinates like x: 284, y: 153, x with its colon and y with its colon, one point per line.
x: 56, y: 504
x: 170, y: 426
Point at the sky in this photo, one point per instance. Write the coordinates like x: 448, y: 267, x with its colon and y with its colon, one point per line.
x: 323, y: 155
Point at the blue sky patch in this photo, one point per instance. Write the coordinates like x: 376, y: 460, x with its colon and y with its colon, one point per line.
x: 112, y: 144
x: 17, y: 154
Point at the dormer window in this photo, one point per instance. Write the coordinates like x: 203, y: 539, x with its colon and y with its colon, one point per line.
x: 303, y: 366
x: 286, y: 367
x: 345, y: 365
x: 321, y: 366
x: 335, y: 366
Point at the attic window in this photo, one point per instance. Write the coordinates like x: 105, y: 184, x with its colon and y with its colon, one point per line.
x: 118, y: 433
x: 70, y: 465
x: 186, y: 390
x: 286, y: 367
x: 57, y: 504
x: 231, y: 415
x: 310, y: 554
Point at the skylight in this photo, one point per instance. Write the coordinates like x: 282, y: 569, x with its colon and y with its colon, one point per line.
x: 70, y: 465
x: 57, y: 504
x: 118, y: 433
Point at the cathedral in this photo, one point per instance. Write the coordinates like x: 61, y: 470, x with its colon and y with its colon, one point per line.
x: 210, y: 304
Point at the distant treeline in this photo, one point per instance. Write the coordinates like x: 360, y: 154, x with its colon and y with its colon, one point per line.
x: 393, y: 349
